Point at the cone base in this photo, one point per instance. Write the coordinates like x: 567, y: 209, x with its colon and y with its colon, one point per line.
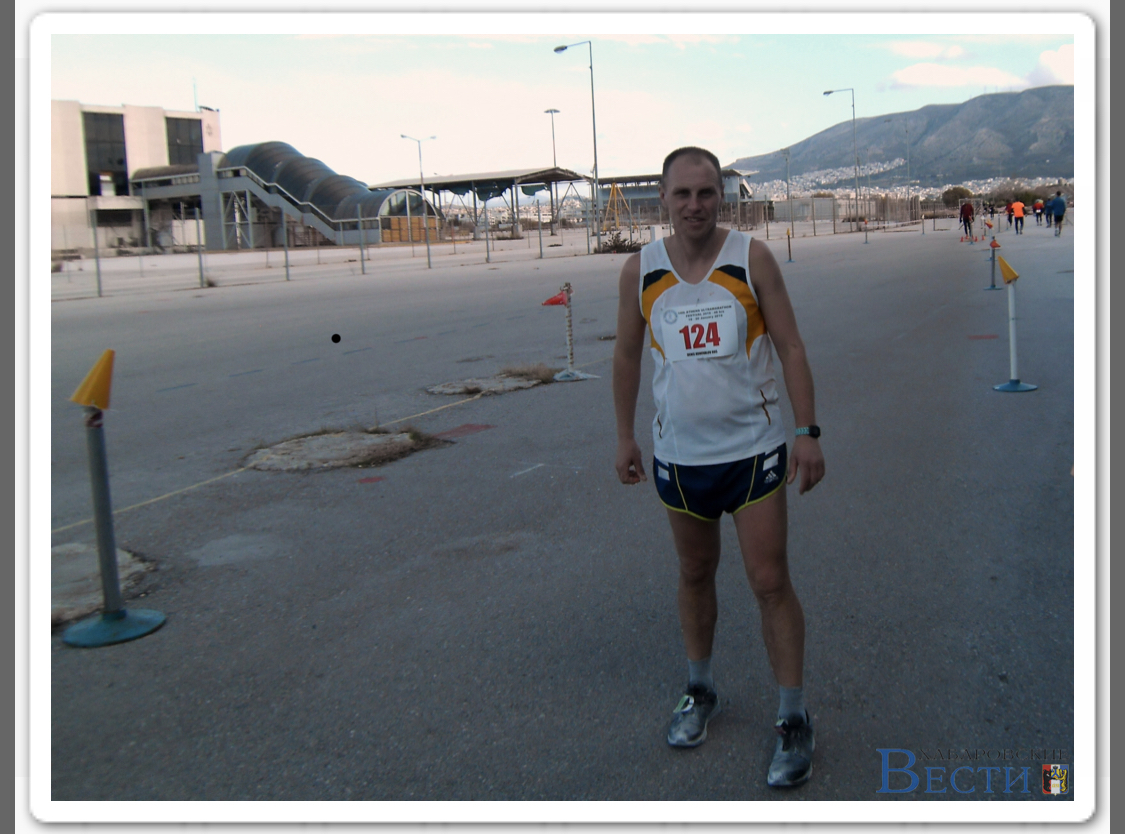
x: 573, y: 376
x: 1014, y: 385
x: 107, y: 629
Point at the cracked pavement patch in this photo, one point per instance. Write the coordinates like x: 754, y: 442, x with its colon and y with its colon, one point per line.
x: 337, y: 449
x: 76, y: 579
x: 491, y: 385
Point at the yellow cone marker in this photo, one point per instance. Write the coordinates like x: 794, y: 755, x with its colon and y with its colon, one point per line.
x: 1006, y: 270
x: 116, y: 623
x: 94, y: 389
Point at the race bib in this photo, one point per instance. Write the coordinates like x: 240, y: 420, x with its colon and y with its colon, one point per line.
x: 700, y: 331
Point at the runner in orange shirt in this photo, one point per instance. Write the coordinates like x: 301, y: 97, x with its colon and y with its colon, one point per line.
x: 1017, y: 212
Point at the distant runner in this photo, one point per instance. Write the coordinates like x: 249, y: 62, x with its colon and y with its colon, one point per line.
x: 1017, y: 212
x: 1057, y: 207
x: 967, y: 217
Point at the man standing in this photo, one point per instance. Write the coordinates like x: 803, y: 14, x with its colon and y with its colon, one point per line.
x: 1057, y: 208
x: 716, y: 308
x: 1037, y: 208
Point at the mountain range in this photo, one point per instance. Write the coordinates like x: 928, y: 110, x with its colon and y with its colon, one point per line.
x: 1021, y: 134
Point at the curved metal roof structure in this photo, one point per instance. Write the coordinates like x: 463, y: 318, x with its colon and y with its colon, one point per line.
x: 308, y: 180
x: 164, y: 172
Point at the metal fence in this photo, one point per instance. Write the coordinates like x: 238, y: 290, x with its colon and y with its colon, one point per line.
x: 805, y: 216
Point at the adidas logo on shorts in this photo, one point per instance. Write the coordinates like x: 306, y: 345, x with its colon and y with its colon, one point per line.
x: 771, y: 477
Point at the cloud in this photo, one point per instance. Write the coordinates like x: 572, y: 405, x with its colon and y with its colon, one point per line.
x: 940, y: 75
x: 1056, y: 66
x: 925, y: 50
x: 678, y: 41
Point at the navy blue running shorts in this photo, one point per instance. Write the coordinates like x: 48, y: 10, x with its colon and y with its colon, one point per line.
x: 707, y: 492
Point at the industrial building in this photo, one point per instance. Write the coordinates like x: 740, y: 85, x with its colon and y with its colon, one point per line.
x: 96, y: 150
x: 131, y: 178
x: 147, y: 179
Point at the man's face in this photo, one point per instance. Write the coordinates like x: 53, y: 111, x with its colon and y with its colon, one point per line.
x: 691, y: 195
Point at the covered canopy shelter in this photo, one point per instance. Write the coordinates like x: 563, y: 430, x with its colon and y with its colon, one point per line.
x: 492, y: 184
x: 640, y: 193
x: 647, y: 186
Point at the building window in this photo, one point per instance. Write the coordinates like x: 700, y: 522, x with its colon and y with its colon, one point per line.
x: 114, y: 217
x: 185, y: 140
x: 105, y: 153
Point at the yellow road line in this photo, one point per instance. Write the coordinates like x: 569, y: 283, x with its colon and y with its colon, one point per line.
x: 153, y: 500
x: 236, y: 471
x: 432, y: 410
x: 243, y: 469
x: 595, y: 362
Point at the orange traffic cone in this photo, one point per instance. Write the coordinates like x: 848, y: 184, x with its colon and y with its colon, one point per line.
x: 555, y: 299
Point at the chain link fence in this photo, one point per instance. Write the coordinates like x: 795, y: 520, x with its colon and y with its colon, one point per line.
x: 807, y: 216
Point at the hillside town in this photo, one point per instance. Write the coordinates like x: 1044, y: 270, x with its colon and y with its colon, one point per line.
x: 840, y: 182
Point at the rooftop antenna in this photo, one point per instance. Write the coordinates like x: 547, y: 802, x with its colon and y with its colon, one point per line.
x: 194, y: 97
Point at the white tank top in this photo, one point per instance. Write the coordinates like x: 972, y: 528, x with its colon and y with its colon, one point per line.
x: 714, y: 385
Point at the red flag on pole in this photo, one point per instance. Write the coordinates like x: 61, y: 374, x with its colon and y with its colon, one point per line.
x: 555, y: 299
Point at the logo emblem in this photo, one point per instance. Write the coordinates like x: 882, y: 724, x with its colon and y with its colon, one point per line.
x: 771, y: 477
x: 670, y: 316
x: 1056, y: 779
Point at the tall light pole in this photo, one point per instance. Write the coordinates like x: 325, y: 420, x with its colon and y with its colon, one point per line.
x: 594, y: 120
x: 422, y: 178
x: 555, y: 163
x: 855, y: 148
x: 788, y: 199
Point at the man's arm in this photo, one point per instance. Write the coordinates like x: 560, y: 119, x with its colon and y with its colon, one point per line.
x: 781, y: 324
x: 627, y: 351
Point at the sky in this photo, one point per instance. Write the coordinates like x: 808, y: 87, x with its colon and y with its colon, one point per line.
x: 343, y: 89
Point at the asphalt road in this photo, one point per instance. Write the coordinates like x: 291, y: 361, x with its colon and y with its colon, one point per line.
x: 495, y: 619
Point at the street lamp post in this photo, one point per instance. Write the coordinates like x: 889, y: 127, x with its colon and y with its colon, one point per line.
x: 906, y: 127
x: 855, y: 148
x: 594, y: 121
x: 789, y: 199
x: 555, y: 163
x: 422, y: 179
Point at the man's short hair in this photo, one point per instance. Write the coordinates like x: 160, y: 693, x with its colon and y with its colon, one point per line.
x: 698, y: 153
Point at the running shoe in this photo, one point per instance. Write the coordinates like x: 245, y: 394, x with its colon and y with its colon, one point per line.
x: 689, y: 719
x: 792, y: 758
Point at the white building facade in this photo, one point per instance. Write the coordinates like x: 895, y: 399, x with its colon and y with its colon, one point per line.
x: 94, y: 152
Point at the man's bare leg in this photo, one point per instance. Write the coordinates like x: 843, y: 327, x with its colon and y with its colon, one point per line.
x: 698, y: 546
x: 762, y: 534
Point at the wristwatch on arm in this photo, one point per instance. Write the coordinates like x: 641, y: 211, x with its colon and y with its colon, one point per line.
x: 811, y: 431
